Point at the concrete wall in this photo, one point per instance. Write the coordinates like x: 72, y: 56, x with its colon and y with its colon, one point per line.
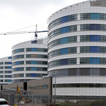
x: 37, y: 87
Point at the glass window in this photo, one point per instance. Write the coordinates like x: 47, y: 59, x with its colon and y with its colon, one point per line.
x: 94, y: 49
x: 84, y: 71
x: 94, y: 37
x: 18, y: 63
x: 94, y: 61
x: 18, y: 69
x: 62, y: 20
x: 65, y: 19
x: 18, y: 75
x: 94, y: 72
x: 103, y: 60
x: 8, y: 76
x: 18, y: 50
x: 9, y: 57
x: 33, y: 62
x: 8, y: 80
x: 18, y: 56
x: 63, y: 61
x: 94, y: 26
x: 94, y: 16
x: 64, y: 51
x: 1, y: 63
x: 84, y: 60
x: 8, y: 67
x: 8, y: 62
x: 64, y: 29
x: 64, y: 40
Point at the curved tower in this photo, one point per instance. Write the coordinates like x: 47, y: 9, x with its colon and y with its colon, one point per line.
x: 29, y: 60
x: 77, y: 50
x: 5, y: 70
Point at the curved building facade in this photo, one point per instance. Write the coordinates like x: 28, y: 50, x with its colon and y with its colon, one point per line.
x: 5, y: 70
x: 77, y: 50
x: 29, y: 60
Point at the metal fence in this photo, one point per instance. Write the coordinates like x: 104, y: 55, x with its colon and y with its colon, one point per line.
x: 32, y: 99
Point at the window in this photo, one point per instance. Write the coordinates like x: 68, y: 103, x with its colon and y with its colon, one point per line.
x: 94, y: 61
x: 35, y: 56
x: 18, y: 69
x: 84, y: 60
x: 8, y: 67
x: 94, y: 38
x: 8, y: 76
x: 84, y: 49
x: 94, y: 72
x: 62, y: 30
x: 64, y: 51
x: 1, y: 63
x: 65, y: 19
x: 64, y: 40
x: 94, y: 16
x: 18, y: 56
x: 62, y: 20
x: 94, y: 49
x: 8, y: 62
x: 18, y: 50
x: 18, y: 75
x: 9, y: 57
x: 64, y: 62
x: 94, y: 26
x: 34, y: 42
x: 18, y: 63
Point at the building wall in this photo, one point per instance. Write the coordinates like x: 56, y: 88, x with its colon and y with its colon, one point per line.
x: 36, y: 87
x: 76, y: 50
x: 29, y: 60
x: 5, y: 70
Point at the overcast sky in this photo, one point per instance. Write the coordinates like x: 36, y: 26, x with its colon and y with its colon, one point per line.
x: 20, y: 14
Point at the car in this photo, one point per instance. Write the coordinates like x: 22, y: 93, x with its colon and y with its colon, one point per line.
x: 3, y: 102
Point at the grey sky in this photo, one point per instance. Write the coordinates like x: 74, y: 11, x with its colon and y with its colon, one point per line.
x: 17, y: 14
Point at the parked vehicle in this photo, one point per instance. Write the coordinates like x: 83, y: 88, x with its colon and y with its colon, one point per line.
x: 3, y: 102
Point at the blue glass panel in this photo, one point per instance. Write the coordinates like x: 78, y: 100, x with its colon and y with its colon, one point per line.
x: 33, y: 49
x: 9, y: 67
x: 17, y: 69
x: 94, y: 49
x: 65, y: 19
x: 33, y: 68
x: 17, y: 63
x: 18, y: 50
x: 9, y: 62
x: 64, y: 62
x: 94, y: 26
x: 94, y: 37
x: 33, y: 75
x: 9, y: 80
x: 94, y: 61
x: 94, y: 16
x: 64, y: 29
x: 33, y: 62
x: 64, y: 40
x: 9, y: 57
x: 64, y: 51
